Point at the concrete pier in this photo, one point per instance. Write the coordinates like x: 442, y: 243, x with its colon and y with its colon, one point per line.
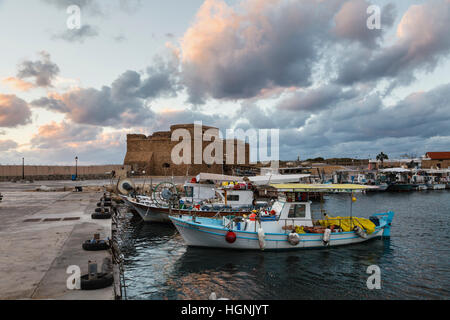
x: 41, y: 235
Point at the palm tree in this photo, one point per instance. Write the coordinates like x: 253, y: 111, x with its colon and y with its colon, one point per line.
x: 381, y: 157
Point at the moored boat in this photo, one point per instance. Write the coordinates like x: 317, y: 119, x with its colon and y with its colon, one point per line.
x: 289, y: 225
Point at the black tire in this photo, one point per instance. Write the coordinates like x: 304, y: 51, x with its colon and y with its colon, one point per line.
x: 105, y: 204
x: 106, y: 199
x: 104, y: 280
x: 98, y: 246
x: 99, y: 210
x: 101, y: 216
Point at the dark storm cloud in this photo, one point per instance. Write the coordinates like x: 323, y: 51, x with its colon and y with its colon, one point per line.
x: 422, y: 41
x: 351, y: 23
x: 43, y: 71
x: 227, y: 55
x: 364, y: 124
x: 316, y: 99
x: 124, y: 103
x: 78, y: 35
x: 13, y: 111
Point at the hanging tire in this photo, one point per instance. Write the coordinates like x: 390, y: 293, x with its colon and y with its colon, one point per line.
x: 96, y: 246
x: 103, y: 280
x: 106, y: 199
x: 101, y: 216
x: 99, y: 210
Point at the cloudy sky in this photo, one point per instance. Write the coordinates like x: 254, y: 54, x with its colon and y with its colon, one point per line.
x: 310, y: 68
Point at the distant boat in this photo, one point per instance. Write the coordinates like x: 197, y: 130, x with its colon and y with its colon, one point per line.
x: 422, y: 187
x: 439, y: 186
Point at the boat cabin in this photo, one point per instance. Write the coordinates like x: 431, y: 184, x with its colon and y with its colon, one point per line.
x: 196, y: 192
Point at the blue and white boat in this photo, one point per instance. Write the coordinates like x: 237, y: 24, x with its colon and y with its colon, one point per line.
x: 288, y: 224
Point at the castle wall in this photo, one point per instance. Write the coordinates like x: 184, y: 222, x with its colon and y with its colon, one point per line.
x: 153, y: 154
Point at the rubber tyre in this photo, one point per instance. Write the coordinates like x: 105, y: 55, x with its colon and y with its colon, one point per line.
x: 88, y: 246
x: 99, y: 210
x: 106, y: 199
x: 105, y: 204
x: 104, y: 280
x: 101, y: 216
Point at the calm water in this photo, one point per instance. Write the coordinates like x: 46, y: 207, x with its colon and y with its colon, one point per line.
x: 414, y: 262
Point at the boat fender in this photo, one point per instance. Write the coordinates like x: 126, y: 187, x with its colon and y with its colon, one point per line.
x: 327, y: 236
x: 261, y: 238
x: 360, y: 232
x: 230, y: 237
x: 294, y: 239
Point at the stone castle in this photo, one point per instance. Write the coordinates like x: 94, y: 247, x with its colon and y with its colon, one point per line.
x: 152, y: 154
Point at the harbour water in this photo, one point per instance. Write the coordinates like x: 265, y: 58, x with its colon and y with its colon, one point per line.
x: 414, y: 262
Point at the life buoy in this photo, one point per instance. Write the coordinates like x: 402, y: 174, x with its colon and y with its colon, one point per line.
x: 261, y: 238
x: 294, y: 239
x: 230, y: 237
x: 253, y: 217
x: 360, y: 232
x: 327, y: 236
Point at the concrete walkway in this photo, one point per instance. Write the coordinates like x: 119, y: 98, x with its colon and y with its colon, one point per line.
x: 41, y: 236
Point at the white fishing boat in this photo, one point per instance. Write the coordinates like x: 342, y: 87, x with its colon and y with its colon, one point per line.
x: 287, y: 225
x: 203, y: 198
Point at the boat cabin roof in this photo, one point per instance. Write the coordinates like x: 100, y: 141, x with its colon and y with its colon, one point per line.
x: 344, y: 188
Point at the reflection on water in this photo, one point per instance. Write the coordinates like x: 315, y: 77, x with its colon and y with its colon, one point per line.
x: 414, y: 262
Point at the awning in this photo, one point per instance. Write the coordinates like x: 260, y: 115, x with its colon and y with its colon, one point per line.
x: 202, y: 177
x: 277, y: 178
x: 322, y: 187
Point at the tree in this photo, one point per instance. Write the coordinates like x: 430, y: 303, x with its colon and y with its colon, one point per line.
x: 381, y: 157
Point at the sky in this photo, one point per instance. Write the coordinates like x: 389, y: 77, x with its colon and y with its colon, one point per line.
x: 309, y: 68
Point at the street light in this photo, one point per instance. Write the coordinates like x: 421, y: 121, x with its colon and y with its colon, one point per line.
x: 76, y: 168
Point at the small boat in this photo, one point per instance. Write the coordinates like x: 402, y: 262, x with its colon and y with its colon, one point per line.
x: 288, y: 225
x: 232, y: 201
x: 439, y: 186
x: 422, y: 187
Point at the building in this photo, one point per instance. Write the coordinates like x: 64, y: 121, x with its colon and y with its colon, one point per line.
x: 152, y: 155
x: 436, y: 160
x: 375, y: 164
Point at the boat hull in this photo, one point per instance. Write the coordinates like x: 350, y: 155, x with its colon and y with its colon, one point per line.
x: 401, y: 187
x: 161, y: 215
x: 440, y: 186
x: 197, y: 235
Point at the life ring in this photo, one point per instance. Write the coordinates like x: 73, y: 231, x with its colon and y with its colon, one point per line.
x: 294, y: 239
x: 230, y: 237
x: 253, y: 217
x: 95, y: 246
x: 103, y: 280
x: 101, y: 216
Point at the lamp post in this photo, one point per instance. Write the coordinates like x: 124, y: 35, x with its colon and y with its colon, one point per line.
x: 76, y: 168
